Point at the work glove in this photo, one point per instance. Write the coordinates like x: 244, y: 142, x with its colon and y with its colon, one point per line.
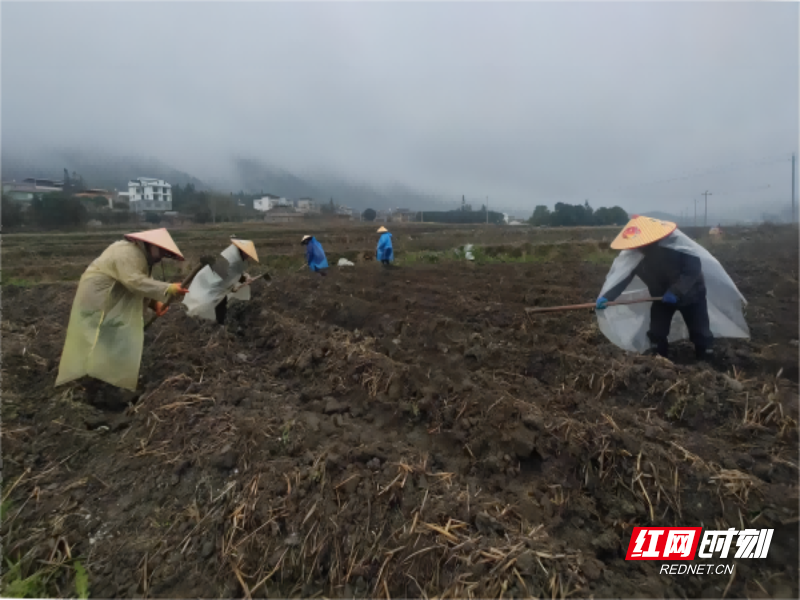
x: 669, y: 298
x: 175, y: 289
x: 602, y: 303
x: 159, y: 308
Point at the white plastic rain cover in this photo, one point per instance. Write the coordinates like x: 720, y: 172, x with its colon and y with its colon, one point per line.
x: 208, y: 289
x: 626, y: 326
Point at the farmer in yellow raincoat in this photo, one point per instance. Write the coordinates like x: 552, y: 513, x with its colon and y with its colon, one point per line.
x: 106, y: 327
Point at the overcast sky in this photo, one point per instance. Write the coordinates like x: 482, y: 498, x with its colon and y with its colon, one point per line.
x: 526, y: 103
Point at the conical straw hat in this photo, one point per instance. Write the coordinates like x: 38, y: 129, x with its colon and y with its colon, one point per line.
x: 305, y: 237
x: 246, y: 246
x: 157, y: 237
x: 641, y: 231
x: 383, y: 230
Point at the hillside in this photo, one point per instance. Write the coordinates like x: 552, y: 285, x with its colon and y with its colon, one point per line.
x: 101, y: 171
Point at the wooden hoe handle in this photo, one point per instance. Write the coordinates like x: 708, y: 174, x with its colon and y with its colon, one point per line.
x: 587, y: 305
x: 184, y: 284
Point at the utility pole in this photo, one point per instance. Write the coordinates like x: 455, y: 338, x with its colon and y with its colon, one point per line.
x: 695, y: 212
x: 487, y: 210
x: 705, y: 218
x: 793, y: 204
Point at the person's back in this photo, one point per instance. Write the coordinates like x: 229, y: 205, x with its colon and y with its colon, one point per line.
x: 315, y: 255
x: 385, y: 252
x: 663, y: 269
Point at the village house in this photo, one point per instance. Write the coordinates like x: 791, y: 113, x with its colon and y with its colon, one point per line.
x: 148, y: 194
x: 270, y: 201
x: 307, y: 205
x: 344, y: 211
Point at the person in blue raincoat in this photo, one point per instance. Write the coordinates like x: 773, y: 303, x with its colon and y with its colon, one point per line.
x: 385, y: 252
x: 315, y: 255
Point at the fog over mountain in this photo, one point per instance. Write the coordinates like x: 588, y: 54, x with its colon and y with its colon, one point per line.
x: 643, y: 105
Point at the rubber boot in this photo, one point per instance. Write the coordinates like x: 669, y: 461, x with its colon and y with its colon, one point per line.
x: 659, y: 349
x: 705, y: 354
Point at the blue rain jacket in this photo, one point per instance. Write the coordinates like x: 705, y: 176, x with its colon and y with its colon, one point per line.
x: 315, y: 255
x: 385, y: 251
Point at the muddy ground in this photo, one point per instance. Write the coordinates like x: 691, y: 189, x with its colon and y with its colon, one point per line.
x: 404, y: 433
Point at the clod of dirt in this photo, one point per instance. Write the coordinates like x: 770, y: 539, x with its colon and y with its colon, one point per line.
x: 475, y: 352
x: 607, y: 540
x: 208, y: 549
x: 652, y: 433
x: 333, y: 406
x: 522, y: 442
x: 374, y: 464
x: 592, y: 568
x: 96, y: 421
x: 525, y: 563
x: 532, y: 420
x: 487, y: 524
x: 732, y: 384
x: 226, y: 459
x: 763, y: 471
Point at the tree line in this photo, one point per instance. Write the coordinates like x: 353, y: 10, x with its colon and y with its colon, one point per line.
x: 576, y: 215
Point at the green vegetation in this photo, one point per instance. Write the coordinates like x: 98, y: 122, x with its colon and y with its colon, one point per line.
x: 43, y: 582
x: 13, y: 215
x: 29, y: 579
x: 569, y: 215
x: 422, y: 257
x: 508, y: 253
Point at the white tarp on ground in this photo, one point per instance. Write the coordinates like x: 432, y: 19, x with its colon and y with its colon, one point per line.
x: 626, y: 326
x: 208, y: 289
x: 343, y: 262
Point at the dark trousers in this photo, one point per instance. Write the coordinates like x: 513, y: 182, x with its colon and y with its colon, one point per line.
x: 221, y: 310
x: 385, y: 262
x: 694, y: 315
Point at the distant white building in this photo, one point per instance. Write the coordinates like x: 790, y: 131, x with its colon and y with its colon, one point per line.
x: 307, y: 205
x: 148, y: 194
x: 344, y: 211
x: 269, y: 202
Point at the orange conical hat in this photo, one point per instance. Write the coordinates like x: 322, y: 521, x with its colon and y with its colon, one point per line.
x: 641, y: 231
x: 157, y: 237
x: 247, y: 247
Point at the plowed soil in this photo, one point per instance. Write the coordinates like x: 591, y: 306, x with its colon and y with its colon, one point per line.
x: 404, y: 432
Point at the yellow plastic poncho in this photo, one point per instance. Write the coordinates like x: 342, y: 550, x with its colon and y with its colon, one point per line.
x: 105, y: 336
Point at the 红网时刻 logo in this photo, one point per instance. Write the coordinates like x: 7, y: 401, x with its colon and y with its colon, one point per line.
x: 681, y: 543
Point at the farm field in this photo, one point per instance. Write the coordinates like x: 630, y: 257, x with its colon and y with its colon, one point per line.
x: 400, y: 432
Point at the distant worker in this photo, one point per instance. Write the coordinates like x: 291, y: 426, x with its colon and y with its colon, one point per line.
x: 385, y: 252
x: 225, y: 280
x: 315, y: 255
x: 105, y: 335
x: 681, y: 272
